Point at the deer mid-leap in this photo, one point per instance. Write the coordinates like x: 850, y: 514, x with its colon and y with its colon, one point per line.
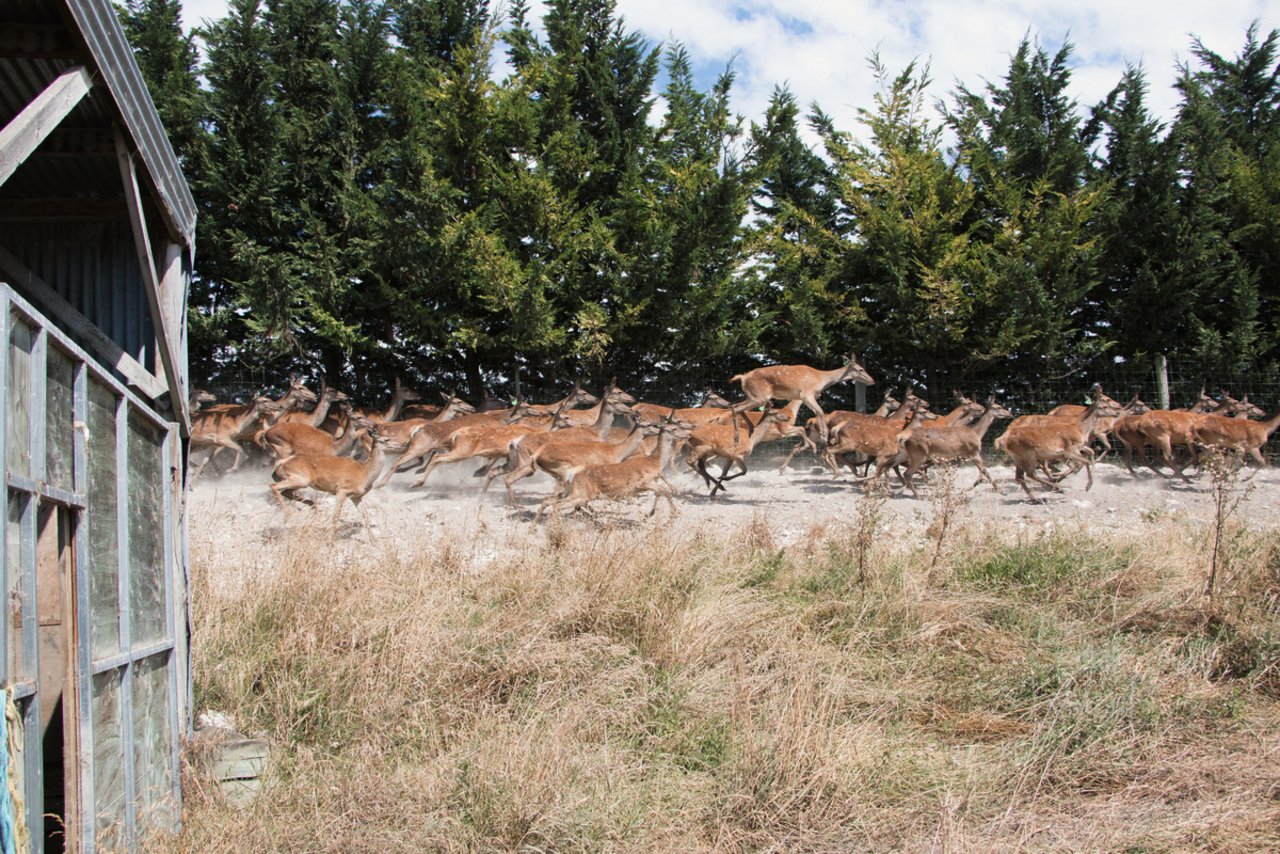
x: 341, y: 477
x: 794, y: 382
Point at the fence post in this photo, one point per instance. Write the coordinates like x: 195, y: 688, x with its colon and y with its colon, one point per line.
x: 1162, y: 381
x: 860, y: 396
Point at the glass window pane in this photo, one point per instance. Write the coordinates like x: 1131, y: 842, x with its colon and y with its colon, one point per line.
x: 104, y: 564
x: 146, y: 533
x: 108, y: 761
x: 152, y: 748
x: 21, y: 342
x: 13, y: 561
x: 59, y: 417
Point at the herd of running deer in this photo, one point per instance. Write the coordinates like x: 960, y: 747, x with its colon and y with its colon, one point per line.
x: 590, y: 457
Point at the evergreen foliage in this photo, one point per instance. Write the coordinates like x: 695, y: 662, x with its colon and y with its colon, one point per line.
x: 377, y: 200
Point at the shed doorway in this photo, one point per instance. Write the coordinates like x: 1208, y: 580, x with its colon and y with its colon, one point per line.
x: 55, y: 579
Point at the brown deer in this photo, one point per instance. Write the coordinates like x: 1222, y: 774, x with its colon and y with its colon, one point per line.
x: 588, y: 417
x: 871, y: 437
x: 342, y: 477
x: 489, y: 440
x: 882, y: 443
x: 1125, y: 429
x: 565, y: 460
x: 835, y: 420
x: 213, y: 431
x: 401, y: 394
x: 199, y: 399
x: 631, y: 476
x: 932, y: 443
x: 1032, y: 444
x: 1239, y: 434
x: 717, y: 441
x: 397, y: 433
x: 429, y: 437
x: 287, y: 440
x: 713, y: 408
x: 1164, y: 429
x: 231, y: 425
x: 522, y: 450
x: 794, y: 382
x: 1102, y: 430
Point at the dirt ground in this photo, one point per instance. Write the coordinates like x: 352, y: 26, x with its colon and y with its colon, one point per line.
x: 238, y: 511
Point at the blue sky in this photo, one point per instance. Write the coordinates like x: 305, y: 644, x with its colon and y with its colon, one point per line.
x: 820, y: 47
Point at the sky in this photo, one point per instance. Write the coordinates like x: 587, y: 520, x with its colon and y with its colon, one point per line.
x: 820, y: 48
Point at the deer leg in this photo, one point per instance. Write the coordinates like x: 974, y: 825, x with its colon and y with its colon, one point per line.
x: 909, y: 479
x: 493, y: 472
x: 239, y: 452
x: 399, y: 464
x: 982, y: 471
x: 1030, y: 472
x: 797, y: 449
x: 278, y: 490
x: 195, y: 473
x: 525, y: 466
x: 811, y: 401
x: 434, y: 460
x: 364, y: 517
x: 1019, y: 476
x: 724, y: 474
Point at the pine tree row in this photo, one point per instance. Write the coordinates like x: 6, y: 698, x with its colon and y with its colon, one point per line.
x: 375, y: 200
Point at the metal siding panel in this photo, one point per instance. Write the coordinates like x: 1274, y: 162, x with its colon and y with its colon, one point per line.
x: 95, y: 268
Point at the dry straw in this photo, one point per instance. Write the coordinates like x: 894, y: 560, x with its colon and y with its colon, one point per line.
x: 577, y: 688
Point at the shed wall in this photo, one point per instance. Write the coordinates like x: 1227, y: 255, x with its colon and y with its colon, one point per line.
x: 94, y: 266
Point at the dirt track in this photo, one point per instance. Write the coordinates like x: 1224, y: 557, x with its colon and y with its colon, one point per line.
x: 238, y: 511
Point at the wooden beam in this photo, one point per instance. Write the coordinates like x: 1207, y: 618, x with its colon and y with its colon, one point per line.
x: 151, y: 285
x: 30, y: 127
x: 37, y: 41
x: 78, y: 142
x: 108, y: 209
x: 97, y: 342
x: 173, y: 292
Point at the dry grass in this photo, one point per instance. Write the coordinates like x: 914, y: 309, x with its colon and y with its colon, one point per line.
x: 664, y: 689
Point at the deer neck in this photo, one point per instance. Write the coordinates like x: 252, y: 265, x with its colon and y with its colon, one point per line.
x: 1271, y: 424
x: 256, y: 413
x: 321, y: 411
x: 604, y: 418
x: 1089, y: 419
x: 444, y: 414
x: 342, y: 447
x: 397, y: 403
x: 666, y: 446
x: 630, y: 446
x: 837, y: 375
x: 955, y: 415
x: 984, y: 423
x: 373, y: 465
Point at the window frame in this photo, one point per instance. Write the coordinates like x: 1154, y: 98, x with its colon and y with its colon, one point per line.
x: 34, y: 492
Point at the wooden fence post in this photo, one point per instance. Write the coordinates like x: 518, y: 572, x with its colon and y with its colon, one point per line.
x: 1162, y: 381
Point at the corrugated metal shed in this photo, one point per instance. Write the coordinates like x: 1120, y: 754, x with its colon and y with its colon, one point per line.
x: 67, y: 206
x: 96, y: 235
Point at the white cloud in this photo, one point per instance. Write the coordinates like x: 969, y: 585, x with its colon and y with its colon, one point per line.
x: 820, y: 48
